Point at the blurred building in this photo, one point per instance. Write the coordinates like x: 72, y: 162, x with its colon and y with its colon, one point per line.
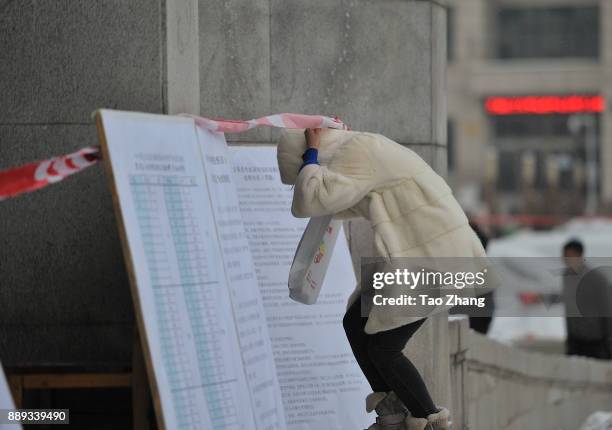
x: 530, y: 85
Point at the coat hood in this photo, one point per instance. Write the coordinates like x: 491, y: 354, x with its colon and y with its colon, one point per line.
x: 292, y: 145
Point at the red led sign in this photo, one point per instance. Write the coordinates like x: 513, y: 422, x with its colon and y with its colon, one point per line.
x: 544, y: 105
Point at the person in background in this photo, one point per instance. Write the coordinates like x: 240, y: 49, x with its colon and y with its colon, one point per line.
x: 587, y: 297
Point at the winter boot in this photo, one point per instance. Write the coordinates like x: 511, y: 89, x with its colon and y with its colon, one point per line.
x: 438, y: 421
x: 390, y: 409
x: 414, y: 423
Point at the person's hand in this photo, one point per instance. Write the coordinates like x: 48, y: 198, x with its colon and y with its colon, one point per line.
x: 313, y: 137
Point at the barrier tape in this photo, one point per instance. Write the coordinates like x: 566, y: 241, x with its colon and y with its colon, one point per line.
x: 281, y: 120
x: 33, y: 176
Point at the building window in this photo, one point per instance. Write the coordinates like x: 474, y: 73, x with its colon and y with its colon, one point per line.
x: 540, y: 182
x: 556, y: 153
x: 530, y: 126
x: 509, y: 170
x: 558, y: 32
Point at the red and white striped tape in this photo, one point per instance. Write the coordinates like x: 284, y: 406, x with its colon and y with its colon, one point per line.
x: 281, y: 120
x: 33, y: 176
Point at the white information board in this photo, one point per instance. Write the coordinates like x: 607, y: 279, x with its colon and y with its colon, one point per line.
x: 250, y: 316
x: 322, y: 385
x: 208, y: 239
x: 178, y: 276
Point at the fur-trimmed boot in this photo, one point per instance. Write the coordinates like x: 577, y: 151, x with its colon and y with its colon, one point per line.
x: 438, y: 421
x: 391, y: 411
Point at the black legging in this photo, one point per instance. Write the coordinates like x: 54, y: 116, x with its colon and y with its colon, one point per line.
x: 384, y: 365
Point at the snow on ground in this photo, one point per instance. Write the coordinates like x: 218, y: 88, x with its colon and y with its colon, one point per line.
x: 596, y: 235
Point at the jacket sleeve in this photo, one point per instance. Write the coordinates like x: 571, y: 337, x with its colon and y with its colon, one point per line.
x: 606, y: 302
x: 326, y: 190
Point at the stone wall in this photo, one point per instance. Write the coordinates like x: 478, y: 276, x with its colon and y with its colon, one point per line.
x: 63, y: 288
x: 497, y: 387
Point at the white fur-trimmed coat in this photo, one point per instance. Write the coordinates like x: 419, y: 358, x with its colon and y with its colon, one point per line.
x: 411, y: 208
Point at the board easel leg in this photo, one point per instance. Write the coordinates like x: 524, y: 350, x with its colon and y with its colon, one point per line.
x: 140, y: 388
x: 16, y: 385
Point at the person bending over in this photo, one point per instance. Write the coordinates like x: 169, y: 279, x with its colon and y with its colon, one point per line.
x: 413, y: 214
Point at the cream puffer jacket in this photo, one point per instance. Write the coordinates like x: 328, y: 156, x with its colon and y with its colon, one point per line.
x: 411, y: 208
